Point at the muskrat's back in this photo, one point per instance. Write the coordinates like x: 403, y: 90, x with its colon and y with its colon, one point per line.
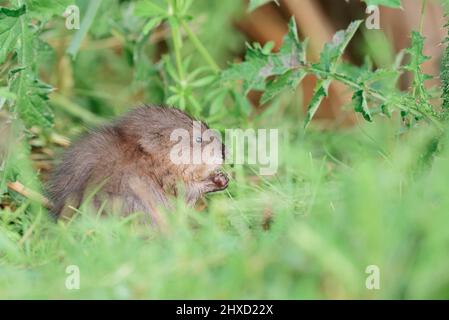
x: 127, y: 163
x: 69, y: 180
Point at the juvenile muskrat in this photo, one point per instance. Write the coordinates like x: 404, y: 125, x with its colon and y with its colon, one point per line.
x: 128, y: 163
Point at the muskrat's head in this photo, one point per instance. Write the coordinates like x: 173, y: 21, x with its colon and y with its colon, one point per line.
x: 182, y: 148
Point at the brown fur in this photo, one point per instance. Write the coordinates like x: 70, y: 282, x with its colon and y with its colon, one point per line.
x: 129, y: 162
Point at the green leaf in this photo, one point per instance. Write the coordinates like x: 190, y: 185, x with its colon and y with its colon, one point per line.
x: 9, y: 30
x: 320, y: 93
x: 146, y: 8
x: 385, y: 110
x: 43, y: 10
x: 387, y: 3
x: 30, y: 94
x: 151, y: 24
x: 444, y: 75
x: 361, y: 105
x: 254, y: 4
x: 260, y: 64
x: 6, y: 94
x: 32, y: 106
x: 417, y: 58
x: 329, y: 58
x: 289, y: 80
x: 334, y: 50
x: 14, y: 13
x: 86, y: 23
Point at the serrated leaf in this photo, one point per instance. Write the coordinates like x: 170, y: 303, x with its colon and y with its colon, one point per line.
x: 361, y: 105
x: 417, y: 58
x: 5, y: 95
x: 254, y: 4
x: 260, y: 65
x: 147, y: 8
x: 13, y: 13
x: 444, y: 75
x: 151, y: 24
x: 9, y: 30
x: 387, y: 3
x: 333, y: 50
x: 289, y: 80
x: 320, y: 93
x: 416, y: 52
x: 32, y: 106
x: 329, y: 58
x: 385, y: 110
x: 45, y: 9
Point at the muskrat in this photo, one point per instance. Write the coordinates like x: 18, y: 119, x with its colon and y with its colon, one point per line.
x: 128, y: 164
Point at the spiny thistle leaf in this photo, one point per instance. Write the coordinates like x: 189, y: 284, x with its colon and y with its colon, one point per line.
x: 361, y: 105
x: 333, y: 50
x: 417, y: 58
x: 260, y: 63
x: 9, y: 30
x: 330, y: 56
x: 290, y: 80
x: 32, y: 106
x: 31, y: 94
x: 320, y: 93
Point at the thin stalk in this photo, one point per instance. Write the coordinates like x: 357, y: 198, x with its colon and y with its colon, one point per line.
x: 423, y: 12
x: 177, y: 40
x: 200, y: 47
x: 177, y: 44
x: 91, y: 12
x: 75, y: 110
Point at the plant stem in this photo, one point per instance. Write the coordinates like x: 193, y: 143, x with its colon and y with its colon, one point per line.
x: 30, y: 194
x: 91, y: 12
x: 24, y: 58
x: 373, y: 93
x: 200, y: 47
x: 423, y: 12
x: 177, y: 47
x: 75, y: 110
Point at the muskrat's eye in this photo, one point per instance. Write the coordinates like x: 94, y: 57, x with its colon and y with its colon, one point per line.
x: 199, y: 139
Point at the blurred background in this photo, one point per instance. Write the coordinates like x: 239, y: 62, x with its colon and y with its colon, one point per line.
x: 224, y: 27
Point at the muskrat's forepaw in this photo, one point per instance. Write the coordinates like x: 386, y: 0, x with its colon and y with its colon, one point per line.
x: 220, y: 180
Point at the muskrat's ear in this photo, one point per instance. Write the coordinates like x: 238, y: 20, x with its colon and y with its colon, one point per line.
x: 152, y: 142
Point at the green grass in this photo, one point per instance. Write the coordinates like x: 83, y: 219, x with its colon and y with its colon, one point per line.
x: 341, y: 202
